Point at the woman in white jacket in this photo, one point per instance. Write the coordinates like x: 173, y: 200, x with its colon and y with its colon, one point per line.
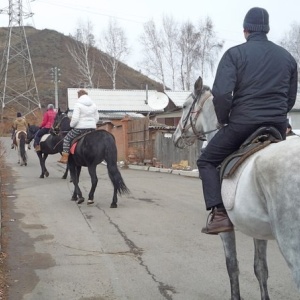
x: 84, y: 118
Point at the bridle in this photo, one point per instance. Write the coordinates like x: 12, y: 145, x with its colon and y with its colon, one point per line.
x: 192, y: 116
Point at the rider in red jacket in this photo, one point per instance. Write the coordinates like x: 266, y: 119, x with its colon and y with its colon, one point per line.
x: 47, y: 123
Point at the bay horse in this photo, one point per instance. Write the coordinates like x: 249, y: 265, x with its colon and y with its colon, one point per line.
x: 91, y: 149
x: 50, y: 144
x: 265, y: 192
x: 21, y: 147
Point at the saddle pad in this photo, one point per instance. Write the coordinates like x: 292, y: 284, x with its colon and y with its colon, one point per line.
x: 44, y: 137
x: 73, y: 147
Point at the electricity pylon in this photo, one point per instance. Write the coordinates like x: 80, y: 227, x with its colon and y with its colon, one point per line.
x: 18, y: 89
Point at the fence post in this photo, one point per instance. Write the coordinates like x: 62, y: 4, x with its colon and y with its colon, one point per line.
x: 125, y: 121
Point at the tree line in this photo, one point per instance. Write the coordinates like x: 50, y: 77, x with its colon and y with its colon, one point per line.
x: 174, y: 53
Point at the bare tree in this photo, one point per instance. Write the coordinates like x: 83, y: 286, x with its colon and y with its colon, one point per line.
x: 189, y: 48
x: 177, y: 52
x: 153, y: 46
x: 171, y: 32
x: 291, y: 42
x: 209, y: 46
x: 81, y: 51
x: 113, y: 44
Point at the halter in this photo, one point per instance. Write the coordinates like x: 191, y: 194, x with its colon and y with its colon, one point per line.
x: 193, y: 120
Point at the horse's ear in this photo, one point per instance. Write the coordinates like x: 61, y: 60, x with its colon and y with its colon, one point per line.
x: 198, y: 85
x: 66, y: 112
x: 58, y: 111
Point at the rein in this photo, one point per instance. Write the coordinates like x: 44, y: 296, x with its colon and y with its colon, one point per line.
x: 58, y: 125
x: 193, y: 120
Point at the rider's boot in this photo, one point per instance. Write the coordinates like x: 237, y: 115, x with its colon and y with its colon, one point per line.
x: 64, y: 158
x: 218, y: 222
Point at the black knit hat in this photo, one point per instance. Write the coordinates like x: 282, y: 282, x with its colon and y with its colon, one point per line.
x: 19, y: 115
x: 257, y: 19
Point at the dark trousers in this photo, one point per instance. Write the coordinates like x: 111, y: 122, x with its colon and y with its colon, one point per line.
x: 39, y: 135
x: 227, y: 140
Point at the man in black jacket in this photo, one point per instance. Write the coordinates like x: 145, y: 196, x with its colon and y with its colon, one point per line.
x: 255, y: 85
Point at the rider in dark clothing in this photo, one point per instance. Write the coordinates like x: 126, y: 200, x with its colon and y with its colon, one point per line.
x: 255, y: 85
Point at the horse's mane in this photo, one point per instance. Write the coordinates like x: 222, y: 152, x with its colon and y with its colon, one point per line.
x: 206, y: 88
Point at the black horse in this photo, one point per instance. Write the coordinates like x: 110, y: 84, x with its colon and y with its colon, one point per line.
x: 91, y: 149
x: 50, y: 144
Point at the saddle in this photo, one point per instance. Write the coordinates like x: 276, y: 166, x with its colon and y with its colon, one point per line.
x: 76, y: 139
x: 260, y: 139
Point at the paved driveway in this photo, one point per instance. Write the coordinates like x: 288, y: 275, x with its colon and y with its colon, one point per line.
x: 149, y: 248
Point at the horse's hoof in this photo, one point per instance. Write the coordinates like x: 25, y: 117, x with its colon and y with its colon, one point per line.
x: 80, y: 200
x: 113, y: 205
x: 42, y: 176
x: 47, y: 174
x: 74, y: 199
x: 90, y: 202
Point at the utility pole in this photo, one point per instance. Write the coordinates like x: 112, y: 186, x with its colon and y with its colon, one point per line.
x: 55, y: 74
x: 18, y: 89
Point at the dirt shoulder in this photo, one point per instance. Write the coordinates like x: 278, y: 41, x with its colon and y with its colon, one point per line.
x: 5, y: 179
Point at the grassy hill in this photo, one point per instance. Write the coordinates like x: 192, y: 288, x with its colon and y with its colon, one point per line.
x: 48, y: 49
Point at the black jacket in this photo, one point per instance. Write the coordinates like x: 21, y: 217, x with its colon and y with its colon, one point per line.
x: 256, y: 83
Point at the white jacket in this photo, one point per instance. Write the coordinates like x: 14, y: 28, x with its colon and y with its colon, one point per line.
x: 85, y: 114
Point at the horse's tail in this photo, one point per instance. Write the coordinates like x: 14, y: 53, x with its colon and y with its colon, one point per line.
x: 22, y: 147
x: 117, y: 180
x: 114, y: 173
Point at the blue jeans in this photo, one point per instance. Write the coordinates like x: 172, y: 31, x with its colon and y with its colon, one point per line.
x: 39, y: 134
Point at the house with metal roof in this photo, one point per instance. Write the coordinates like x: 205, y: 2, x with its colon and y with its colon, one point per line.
x: 117, y: 101
x: 116, y: 104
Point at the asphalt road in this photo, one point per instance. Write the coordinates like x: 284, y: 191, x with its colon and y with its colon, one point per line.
x: 149, y: 248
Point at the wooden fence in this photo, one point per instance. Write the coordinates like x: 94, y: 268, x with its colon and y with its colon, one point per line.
x: 139, y: 142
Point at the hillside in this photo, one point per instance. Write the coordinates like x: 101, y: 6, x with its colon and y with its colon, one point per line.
x: 48, y: 49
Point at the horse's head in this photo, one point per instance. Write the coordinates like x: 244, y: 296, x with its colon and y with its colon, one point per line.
x: 61, y: 122
x: 31, y: 131
x: 198, y: 117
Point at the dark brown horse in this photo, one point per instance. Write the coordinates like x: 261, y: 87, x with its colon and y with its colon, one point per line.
x: 92, y: 149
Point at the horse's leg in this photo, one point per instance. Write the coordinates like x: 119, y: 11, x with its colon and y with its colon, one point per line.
x: 261, y: 267
x: 229, y: 244
x: 40, y: 156
x: 114, y: 199
x: 19, y: 154
x: 94, y: 180
x: 45, y: 155
x: 75, y: 174
x: 72, y: 169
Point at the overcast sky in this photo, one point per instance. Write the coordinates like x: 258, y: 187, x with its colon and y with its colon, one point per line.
x: 227, y: 16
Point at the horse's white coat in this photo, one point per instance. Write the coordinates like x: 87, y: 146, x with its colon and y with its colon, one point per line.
x: 267, y: 194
